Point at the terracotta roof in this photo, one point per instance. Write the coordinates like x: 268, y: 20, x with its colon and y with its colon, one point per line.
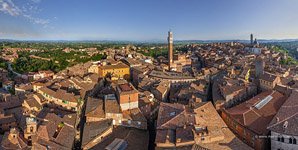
x: 117, y: 66
x: 165, y: 136
x: 94, y: 129
x: 136, y: 139
x: 47, y: 134
x: 9, y: 142
x: 126, y: 88
x: 66, y: 136
x: 134, y: 114
x: 268, y: 77
x: 32, y: 102
x: 286, y: 119
x: 57, y: 116
x: 44, y: 143
x: 60, y: 94
x: 172, y: 116
x: 112, y: 106
x: 7, y: 119
x: 256, y: 113
x: 94, y: 108
x: 184, y: 134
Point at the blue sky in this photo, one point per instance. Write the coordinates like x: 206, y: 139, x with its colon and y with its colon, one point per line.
x: 144, y: 20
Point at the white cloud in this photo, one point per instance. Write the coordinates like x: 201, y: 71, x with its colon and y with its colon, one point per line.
x: 8, y: 7
x: 37, y: 20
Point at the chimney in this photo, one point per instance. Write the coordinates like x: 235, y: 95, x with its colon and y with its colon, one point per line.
x: 285, y: 124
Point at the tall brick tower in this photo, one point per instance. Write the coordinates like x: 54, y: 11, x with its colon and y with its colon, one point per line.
x: 170, y: 48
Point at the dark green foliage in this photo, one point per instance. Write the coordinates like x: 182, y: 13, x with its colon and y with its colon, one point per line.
x: 59, y: 60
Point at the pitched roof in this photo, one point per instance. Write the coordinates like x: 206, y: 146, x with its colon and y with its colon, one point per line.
x: 9, y: 142
x: 94, y: 108
x: 7, y: 119
x: 257, y: 112
x: 112, y: 106
x: 32, y: 102
x: 286, y: 119
x: 120, y: 65
x: 171, y: 116
x: 94, y: 129
x: 268, y: 77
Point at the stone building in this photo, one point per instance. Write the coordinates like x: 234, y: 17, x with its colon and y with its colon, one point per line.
x: 283, y: 127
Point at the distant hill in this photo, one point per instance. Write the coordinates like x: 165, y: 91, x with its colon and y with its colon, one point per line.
x: 151, y: 41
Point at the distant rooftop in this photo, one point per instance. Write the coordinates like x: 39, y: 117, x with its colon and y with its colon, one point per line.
x: 125, y: 87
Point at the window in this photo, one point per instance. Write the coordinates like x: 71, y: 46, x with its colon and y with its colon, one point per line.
x: 278, y: 138
x: 294, y: 141
x: 282, y: 139
x: 290, y: 140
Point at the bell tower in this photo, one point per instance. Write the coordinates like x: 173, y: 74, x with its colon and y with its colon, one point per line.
x: 31, y: 128
x: 170, y: 48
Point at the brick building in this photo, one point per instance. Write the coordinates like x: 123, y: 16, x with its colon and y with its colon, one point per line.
x: 250, y: 119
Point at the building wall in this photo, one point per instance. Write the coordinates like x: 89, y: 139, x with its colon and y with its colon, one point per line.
x: 165, y: 145
x: 126, y: 98
x: 93, y: 119
x: 265, y: 85
x: 117, y: 118
x: 25, y: 104
x: 243, y: 133
x: 135, y: 76
x: 236, y: 98
x: 66, y: 104
x: 131, y: 105
x: 93, y: 69
x: 118, y: 72
x: 279, y: 145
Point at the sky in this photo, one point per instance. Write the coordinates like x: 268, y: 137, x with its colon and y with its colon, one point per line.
x: 148, y: 20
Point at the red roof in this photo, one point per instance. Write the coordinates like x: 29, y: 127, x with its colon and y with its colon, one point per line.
x: 254, y: 118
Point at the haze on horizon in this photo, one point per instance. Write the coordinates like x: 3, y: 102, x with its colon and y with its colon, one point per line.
x: 147, y: 20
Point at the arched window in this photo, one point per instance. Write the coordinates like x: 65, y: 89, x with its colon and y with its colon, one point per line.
x: 294, y: 141
x: 282, y: 139
x: 278, y: 138
x: 290, y: 140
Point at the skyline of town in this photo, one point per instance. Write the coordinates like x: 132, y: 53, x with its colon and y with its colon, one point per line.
x: 148, y: 75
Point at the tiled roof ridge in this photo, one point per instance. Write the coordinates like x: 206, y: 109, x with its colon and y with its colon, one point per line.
x: 167, y: 104
x: 173, y: 118
x: 277, y: 123
x: 250, y: 109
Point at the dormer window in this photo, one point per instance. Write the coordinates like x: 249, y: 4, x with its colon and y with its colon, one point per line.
x: 285, y: 125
